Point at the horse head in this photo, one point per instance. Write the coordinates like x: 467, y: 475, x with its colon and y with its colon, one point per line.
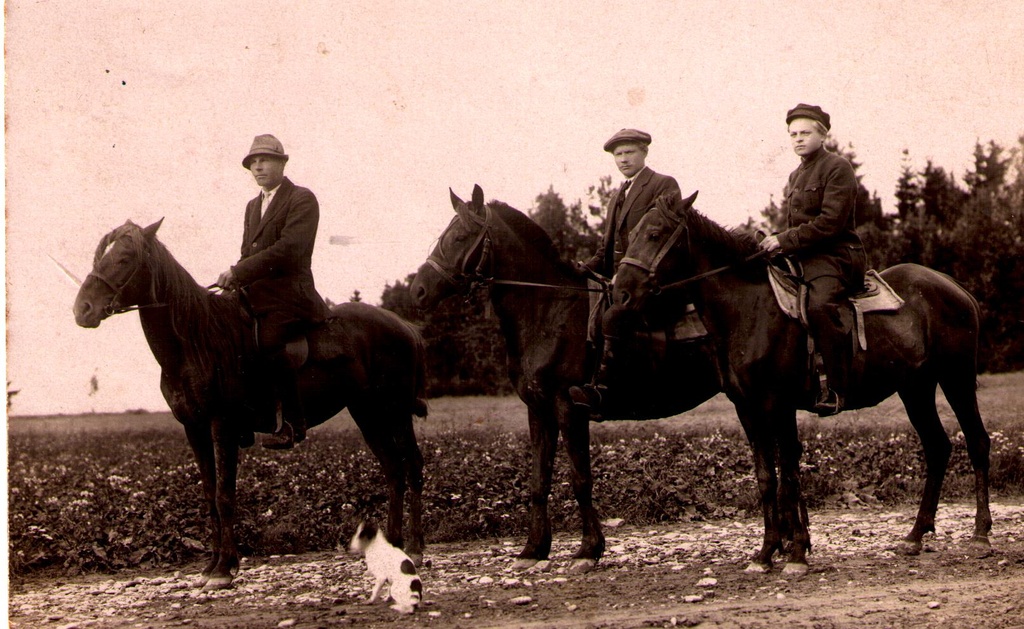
x: 658, y: 252
x: 460, y: 255
x: 120, y: 277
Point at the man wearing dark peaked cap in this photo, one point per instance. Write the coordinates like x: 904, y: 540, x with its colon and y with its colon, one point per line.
x: 275, y: 271
x: 820, y: 203
x: 634, y: 198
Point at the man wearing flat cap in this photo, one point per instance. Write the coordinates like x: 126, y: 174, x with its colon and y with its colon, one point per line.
x: 631, y: 201
x: 275, y: 272
x: 819, y: 203
x: 634, y: 197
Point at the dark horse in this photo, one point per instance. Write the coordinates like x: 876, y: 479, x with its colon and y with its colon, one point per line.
x: 542, y: 305
x: 931, y: 340
x: 363, y: 357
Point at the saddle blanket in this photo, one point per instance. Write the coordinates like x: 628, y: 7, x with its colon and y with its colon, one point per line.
x: 877, y: 296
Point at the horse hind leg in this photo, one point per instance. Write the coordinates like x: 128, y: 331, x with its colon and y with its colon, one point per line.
x: 961, y: 394
x: 919, y: 401
x: 384, y: 447
x: 412, y: 458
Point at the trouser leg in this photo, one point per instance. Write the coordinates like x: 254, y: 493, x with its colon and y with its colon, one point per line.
x: 273, y: 335
x: 830, y: 323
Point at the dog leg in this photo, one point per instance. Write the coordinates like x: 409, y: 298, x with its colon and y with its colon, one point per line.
x: 376, y: 590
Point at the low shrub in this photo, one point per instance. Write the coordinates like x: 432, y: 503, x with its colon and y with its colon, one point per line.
x: 104, y: 501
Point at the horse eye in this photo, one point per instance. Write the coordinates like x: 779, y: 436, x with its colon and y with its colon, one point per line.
x: 654, y: 234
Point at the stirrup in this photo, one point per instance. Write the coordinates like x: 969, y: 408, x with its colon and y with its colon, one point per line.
x: 283, y: 439
x: 588, y: 396
x: 828, y: 404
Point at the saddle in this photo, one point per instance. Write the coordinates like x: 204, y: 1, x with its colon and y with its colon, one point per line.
x: 791, y: 295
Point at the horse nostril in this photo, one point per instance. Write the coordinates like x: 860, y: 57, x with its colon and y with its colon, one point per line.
x: 623, y: 298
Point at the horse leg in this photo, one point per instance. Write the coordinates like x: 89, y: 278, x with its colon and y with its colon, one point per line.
x: 919, y: 400
x: 385, y: 449
x: 575, y: 429
x: 225, y: 455
x: 961, y: 395
x: 199, y: 439
x: 792, y: 508
x: 543, y: 441
x: 405, y: 437
x: 763, y: 448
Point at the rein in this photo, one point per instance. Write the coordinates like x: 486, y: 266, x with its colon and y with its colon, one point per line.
x: 670, y: 242
x: 466, y: 280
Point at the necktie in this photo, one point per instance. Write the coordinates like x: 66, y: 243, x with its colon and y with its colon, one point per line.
x: 622, y: 198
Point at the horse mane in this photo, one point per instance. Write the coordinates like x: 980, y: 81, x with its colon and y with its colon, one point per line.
x: 210, y: 327
x: 531, y: 234
x: 727, y: 246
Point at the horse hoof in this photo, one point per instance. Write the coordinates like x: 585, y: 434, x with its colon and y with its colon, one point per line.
x: 200, y: 580
x: 910, y: 548
x: 523, y: 564
x: 758, y: 568
x: 541, y: 566
x: 582, y: 566
x: 417, y: 559
x: 795, y: 569
x: 979, y: 547
x: 217, y: 583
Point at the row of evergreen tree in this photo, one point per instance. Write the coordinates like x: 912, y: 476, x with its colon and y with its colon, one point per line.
x: 973, y: 231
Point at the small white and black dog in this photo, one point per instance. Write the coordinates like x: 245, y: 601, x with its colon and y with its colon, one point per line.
x: 388, y: 564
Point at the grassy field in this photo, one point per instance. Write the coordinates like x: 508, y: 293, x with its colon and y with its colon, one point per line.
x: 106, y: 492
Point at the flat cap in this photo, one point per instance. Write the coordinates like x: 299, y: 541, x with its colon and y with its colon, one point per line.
x: 265, y: 144
x: 627, y: 135
x: 809, y: 111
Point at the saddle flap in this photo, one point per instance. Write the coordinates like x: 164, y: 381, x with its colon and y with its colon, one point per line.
x: 787, y: 293
x: 877, y: 295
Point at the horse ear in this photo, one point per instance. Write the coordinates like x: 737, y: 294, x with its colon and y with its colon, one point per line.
x: 150, y: 231
x: 478, y: 197
x: 688, y: 201
x: 456, y: 201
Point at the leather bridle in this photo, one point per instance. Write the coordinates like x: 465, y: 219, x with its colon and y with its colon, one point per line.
x: 457, y: 272
x: 652, y: 268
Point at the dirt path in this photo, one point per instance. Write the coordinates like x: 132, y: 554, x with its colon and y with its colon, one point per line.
x: 685, y: 574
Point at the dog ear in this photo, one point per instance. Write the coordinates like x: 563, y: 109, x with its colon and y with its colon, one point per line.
x: 367, y: 530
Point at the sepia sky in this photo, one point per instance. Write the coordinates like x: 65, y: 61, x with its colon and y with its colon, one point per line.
x: 118, y: 111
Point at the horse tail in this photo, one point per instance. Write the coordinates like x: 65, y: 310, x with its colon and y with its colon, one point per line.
x: 419, y: 404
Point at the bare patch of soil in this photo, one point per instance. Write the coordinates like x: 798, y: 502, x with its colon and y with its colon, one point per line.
x: 680, y: 574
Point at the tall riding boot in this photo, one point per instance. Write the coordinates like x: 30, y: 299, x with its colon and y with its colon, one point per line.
x: 836, y: 346
x: 293, y: 420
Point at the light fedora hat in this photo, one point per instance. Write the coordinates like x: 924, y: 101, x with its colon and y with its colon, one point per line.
x: 265, y: 144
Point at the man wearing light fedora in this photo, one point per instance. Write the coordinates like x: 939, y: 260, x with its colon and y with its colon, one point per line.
x: 275, y: 272
x: 631, y: 201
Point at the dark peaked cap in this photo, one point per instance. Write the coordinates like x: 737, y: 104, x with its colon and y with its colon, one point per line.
x: 627, y: 135
x: 809, y: 111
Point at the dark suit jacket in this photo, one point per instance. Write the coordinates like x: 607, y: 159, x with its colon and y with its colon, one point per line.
x: 640, y: 197
x: 277, y: 251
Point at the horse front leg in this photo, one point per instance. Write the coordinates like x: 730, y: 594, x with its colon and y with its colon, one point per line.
x: 763, y: 448
x: 543, y: 441
x: 200, y: 440
x: 793, y: 510
x: 575, y: 429
x: 225, y: 456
